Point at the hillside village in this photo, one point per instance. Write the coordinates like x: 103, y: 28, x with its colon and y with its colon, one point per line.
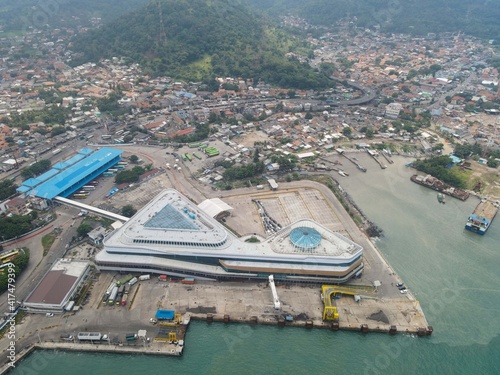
x: 410, y: 95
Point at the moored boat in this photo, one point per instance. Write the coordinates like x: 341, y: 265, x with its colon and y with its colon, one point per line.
x: 480, y: 220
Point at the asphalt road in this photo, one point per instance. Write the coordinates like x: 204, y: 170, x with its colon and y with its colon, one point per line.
x: 38, y: 264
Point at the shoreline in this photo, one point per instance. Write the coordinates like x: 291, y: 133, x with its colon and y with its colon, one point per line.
x: 177, y: 351
x: 422, y: 329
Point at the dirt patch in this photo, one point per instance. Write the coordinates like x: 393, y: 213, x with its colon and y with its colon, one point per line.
x: 379, y: 317
x: 202, y: 310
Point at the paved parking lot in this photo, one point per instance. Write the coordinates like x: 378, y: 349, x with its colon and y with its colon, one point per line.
x: 284, y: 206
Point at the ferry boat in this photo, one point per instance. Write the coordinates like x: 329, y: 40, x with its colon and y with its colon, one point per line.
x: 480, y: 220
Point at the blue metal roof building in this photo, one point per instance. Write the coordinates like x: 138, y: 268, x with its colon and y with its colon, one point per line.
x: 165, y: 314
x: 81, y: 168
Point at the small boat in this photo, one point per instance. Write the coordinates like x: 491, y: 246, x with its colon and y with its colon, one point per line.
x: 441, y: 199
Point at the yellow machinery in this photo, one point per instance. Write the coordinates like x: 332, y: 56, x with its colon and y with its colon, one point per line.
x: 172, y: 336
x: 178, y: 318
x: 329, y: 311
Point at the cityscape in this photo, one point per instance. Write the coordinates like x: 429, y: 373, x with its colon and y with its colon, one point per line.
x: 135, y: 205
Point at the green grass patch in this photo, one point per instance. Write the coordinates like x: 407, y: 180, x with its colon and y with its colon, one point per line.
x: 105, y: 222
x: 47, y: 242
x: 252, y: 239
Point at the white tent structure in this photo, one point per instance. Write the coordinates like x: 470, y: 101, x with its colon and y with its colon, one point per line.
x: 215, y: 207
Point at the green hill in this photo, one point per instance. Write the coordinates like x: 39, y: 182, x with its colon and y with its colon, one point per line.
x: 479, y: 18
x: 200, y: 38
x: 20, y: 15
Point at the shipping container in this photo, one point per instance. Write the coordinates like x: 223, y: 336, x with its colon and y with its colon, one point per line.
x: 188, y: 280
x: 144, y: 277
x: 112, y: 296
x: 162, y: 277
x: 124, y: 280
x: 110, y: 287
x: 89, y: 336
x: 105, y: 298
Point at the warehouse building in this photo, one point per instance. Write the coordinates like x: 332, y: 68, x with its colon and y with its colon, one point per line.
x: 63, y: 281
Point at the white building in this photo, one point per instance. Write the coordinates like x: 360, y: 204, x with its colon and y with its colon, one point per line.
x: 393, y: 109
x: 173, y: 236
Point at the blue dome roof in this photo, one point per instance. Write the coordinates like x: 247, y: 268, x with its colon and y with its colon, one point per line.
x: 305, y: 238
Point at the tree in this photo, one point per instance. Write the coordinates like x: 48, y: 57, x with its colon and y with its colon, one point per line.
x: 83, y: 229
x: 347, y: 131
x: 20, y: 263
x: 128, y: 210
x: 308, y: 116
x: 438, y: 147
x: 126, y: 176
x: 134, y: 159
x: 7, y: 188
x: 15, y: 226
x: 56, y: 130
x: 492, y: 163
x: 36, y: 169
x: 256, y: 155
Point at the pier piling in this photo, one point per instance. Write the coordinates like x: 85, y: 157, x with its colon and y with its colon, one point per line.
x: 429, y: 330
x: 393, y: 330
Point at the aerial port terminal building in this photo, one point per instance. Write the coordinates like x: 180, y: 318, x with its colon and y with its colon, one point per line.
x: 171, y: 235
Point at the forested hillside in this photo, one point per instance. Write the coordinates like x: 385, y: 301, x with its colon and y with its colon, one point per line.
x: 20, y: 15
x: 199, y: 38
x: 475, y: 17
